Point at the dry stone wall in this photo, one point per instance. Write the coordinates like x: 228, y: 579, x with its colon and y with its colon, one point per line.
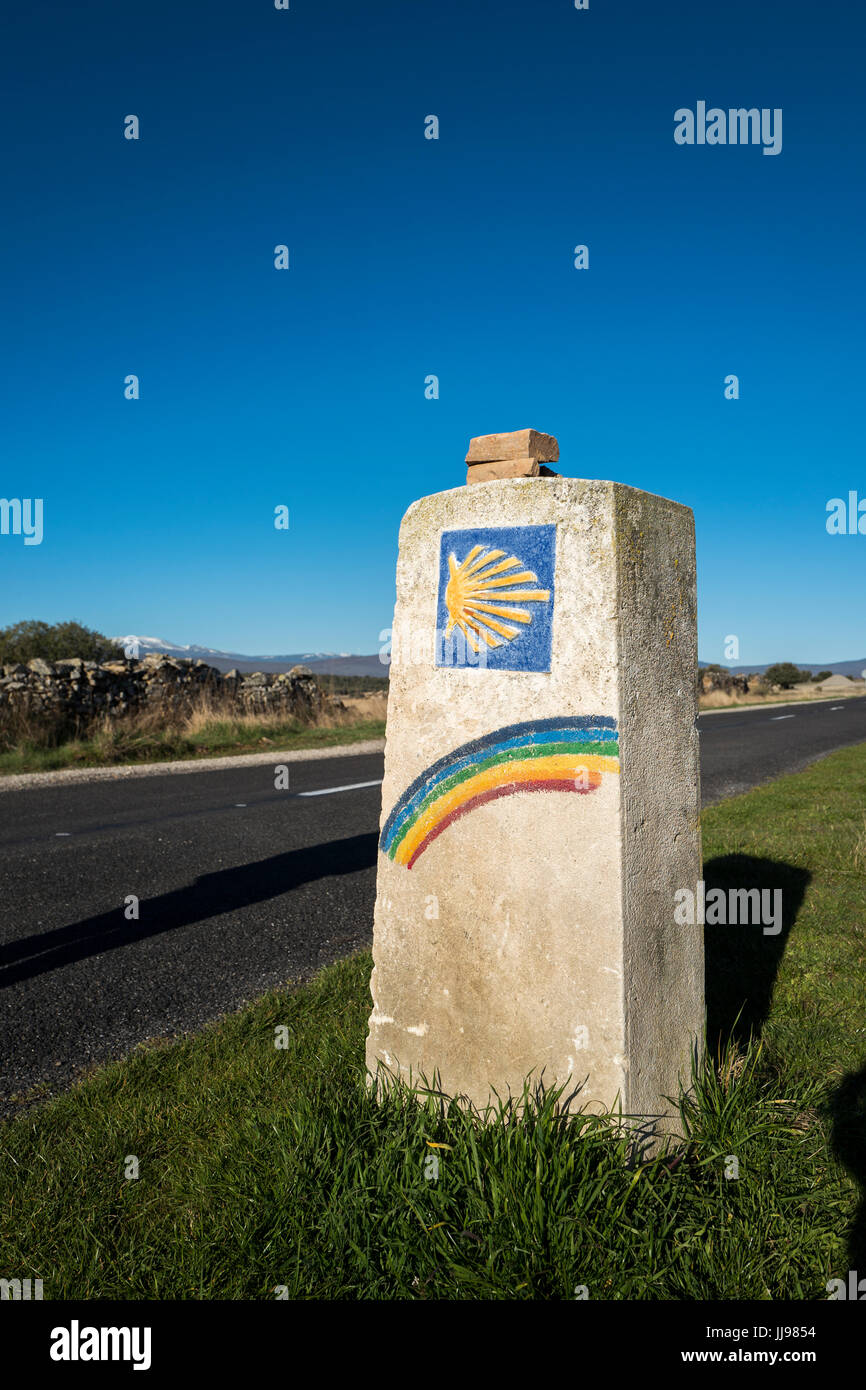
x: 80, y: 690
x: 709, y: 680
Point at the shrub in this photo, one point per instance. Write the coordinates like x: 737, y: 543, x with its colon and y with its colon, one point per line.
x: 786, y: 674
x: 55, y: 642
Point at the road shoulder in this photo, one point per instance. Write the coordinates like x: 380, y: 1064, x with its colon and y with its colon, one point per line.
x: 19, y: 781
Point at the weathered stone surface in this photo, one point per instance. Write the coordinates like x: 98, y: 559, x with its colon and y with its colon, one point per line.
x: 502, y: 468
x: 487, y: 448
x: 533, y: 930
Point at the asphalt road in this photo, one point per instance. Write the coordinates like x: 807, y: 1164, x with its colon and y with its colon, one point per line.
x: 241, y: 887
x: 742, y: 748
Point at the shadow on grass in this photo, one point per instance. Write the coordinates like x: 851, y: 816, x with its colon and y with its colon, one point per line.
x: 741, y: 968
x: 211, y: 895
x: 741, y: 961
x: 847, y: 1109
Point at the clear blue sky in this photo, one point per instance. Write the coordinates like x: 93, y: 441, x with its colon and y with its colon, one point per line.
x: 409, y: 257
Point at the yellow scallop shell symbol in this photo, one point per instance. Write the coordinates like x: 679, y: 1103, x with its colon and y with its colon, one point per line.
x: 481, y: 591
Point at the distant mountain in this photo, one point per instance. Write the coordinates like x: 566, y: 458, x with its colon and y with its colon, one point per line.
x: 349, y: 664
x: 326, y: 663
x: 838, y: 668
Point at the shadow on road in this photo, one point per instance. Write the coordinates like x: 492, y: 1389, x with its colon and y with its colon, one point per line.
x: 209, y: 896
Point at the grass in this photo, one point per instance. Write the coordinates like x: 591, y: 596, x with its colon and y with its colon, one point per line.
x: 265, y: 1168
x: 203, y: 734
x: 721, y: 699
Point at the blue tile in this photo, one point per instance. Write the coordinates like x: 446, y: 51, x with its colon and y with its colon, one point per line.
x: 525, y: 645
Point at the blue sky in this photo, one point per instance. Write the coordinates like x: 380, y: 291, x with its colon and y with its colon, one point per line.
x: 410, y: 257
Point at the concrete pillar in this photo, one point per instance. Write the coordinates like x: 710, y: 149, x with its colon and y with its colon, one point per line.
x: 540, y: 805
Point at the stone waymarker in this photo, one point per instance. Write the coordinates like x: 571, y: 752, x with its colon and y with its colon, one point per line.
x: 541, y: 798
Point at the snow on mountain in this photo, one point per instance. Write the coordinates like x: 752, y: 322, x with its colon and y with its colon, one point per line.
x: 337, y: 663
x: 192, y: 651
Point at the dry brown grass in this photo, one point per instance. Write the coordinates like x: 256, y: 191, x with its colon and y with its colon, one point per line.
x: 208, y: 709
x: 372, y: 706
x: 20, y: 726
x: 200, y: 717
x: 720, y: 699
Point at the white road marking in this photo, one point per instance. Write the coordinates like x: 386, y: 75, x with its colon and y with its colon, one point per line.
x: 353, y: 786
x: 240, y: 803
x: 832, y: 707
x: 59, y: 833
x: 780, y: 716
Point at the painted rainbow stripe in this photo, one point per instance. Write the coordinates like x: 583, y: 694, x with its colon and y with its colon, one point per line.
x: 564, y: 755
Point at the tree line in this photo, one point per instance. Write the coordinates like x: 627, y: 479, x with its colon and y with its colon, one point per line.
x: 783, y: 673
